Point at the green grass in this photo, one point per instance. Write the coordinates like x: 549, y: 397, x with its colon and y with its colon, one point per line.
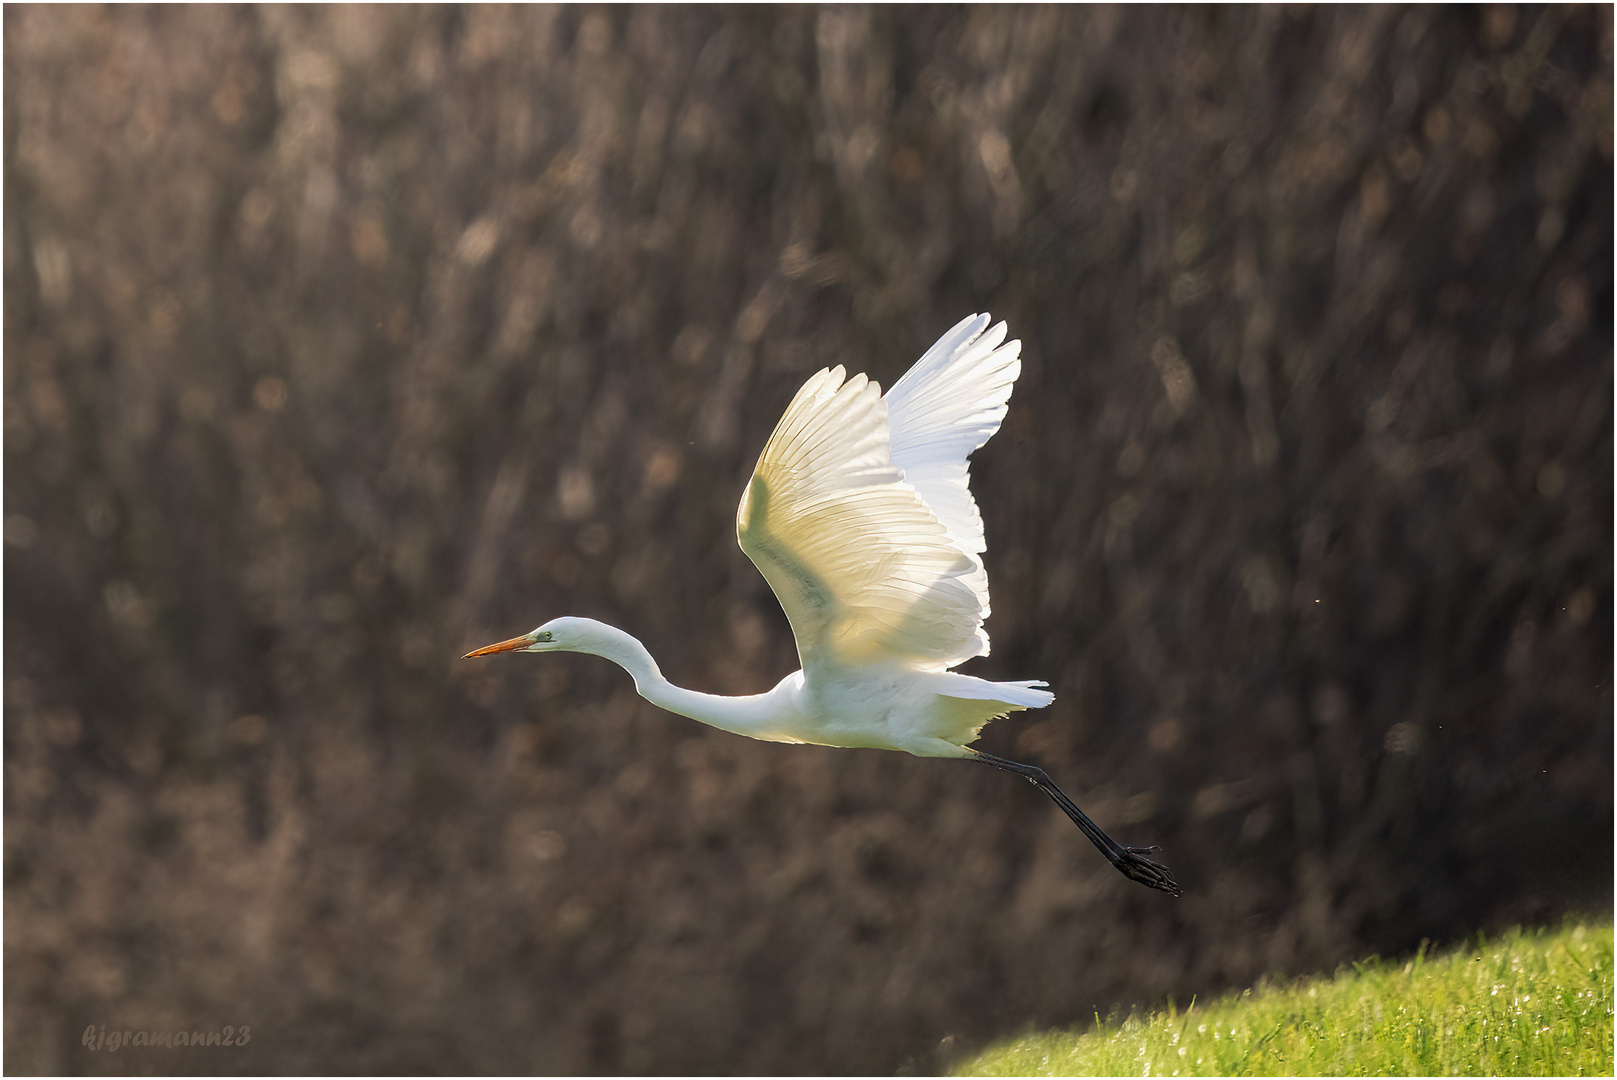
x: 1526, y: 1004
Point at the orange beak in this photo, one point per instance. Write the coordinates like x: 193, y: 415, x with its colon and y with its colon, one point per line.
x: 502, y: 646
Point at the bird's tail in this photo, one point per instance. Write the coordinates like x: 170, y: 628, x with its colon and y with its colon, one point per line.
x: 965, y: 703
x: 1023, y: 694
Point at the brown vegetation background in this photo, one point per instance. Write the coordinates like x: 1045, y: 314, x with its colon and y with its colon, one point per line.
x: 339, y: 341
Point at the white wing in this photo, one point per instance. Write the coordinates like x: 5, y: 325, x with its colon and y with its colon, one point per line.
x: 864, y: 568
x: 946, y: 406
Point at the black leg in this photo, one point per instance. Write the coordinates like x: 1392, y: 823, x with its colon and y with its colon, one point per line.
x: 1131, y: 861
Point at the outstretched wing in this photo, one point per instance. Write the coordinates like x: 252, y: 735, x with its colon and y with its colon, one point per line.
x: 946, y: 406
x: 866, y: 570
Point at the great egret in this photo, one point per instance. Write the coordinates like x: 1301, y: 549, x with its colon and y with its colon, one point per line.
x: 861, y: 519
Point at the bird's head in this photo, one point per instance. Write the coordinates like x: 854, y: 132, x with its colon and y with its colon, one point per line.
x: 566, y: 634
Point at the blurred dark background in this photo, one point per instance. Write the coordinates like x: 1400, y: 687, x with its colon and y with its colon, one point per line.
x: 340, y: 341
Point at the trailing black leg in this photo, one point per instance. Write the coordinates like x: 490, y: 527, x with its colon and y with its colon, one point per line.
x: 1131, y: 861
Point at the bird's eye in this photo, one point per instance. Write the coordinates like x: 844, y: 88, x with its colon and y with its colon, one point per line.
x: 546, y: 636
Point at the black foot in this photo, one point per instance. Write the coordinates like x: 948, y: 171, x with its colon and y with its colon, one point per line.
x: 1131, y: 861
x: 1134, y: 865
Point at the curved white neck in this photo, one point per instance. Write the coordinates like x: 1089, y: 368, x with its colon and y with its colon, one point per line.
x: 751, y: 715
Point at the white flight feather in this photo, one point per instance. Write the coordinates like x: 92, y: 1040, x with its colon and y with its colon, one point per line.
x: 859, y: 513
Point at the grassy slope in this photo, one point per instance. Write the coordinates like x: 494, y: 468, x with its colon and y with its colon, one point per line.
x: 1529, y: 1003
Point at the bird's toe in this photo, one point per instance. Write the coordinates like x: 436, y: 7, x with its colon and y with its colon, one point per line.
x: 1137, y: 867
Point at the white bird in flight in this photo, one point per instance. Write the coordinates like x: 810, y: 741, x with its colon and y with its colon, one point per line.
x: 860, y: 516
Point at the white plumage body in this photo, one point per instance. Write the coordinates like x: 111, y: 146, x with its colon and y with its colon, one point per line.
x: 859, y: 515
